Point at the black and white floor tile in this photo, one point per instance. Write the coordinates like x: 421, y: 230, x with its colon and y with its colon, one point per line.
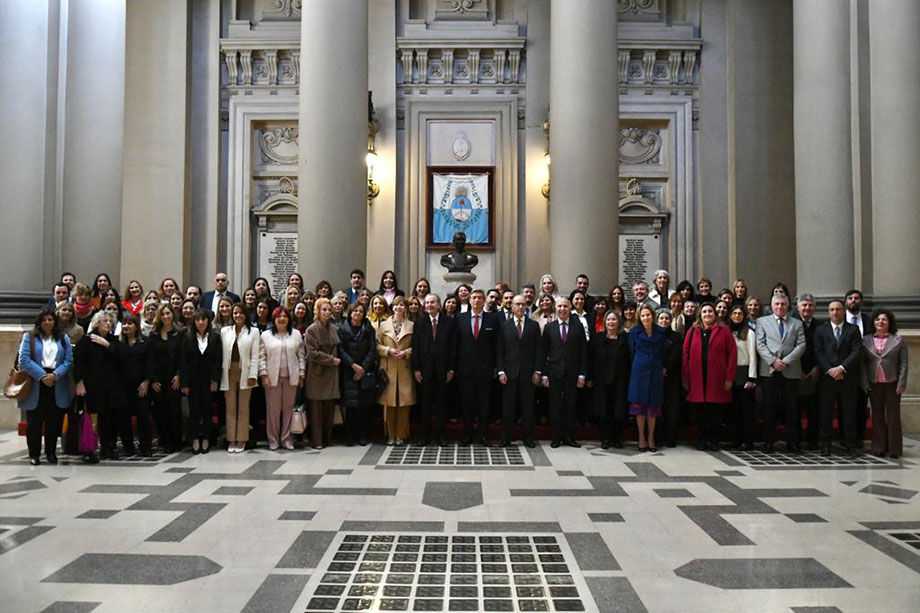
x: 461, y: 529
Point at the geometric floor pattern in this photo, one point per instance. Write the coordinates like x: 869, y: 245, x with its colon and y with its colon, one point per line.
x: 461, y: 529
x: 454, y: 455
x: 435, y: 572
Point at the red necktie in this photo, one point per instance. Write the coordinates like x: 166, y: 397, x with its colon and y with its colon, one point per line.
x: 476, y: 326
x: 565, y: 331
x: 520, y: 327
x: 434, y: 329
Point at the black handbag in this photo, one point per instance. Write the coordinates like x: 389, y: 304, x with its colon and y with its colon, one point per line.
x: 382, y: 380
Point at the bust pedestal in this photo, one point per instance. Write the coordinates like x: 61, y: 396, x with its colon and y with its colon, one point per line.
x: 453, y: 280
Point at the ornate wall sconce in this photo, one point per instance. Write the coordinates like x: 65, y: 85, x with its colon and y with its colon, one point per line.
x: 546, y: 158
x: 373, y: 190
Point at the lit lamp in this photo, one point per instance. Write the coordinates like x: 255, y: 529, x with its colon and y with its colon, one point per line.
x: 545, y: 188
x: 373, y: 190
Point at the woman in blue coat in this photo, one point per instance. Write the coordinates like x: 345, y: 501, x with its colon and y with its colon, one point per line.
x: 647, y: 344
x: 45, y: 353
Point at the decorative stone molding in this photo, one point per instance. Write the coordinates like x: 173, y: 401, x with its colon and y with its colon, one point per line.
x: 658, y: 65
x: 650, y: 8
x: 269, y: 141
x: 484, y: 62
x: 282, y: 10
x: 255, y: 65
x: 640, y: 145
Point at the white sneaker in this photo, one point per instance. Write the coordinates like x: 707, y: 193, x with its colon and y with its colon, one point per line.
x: 391, y: 442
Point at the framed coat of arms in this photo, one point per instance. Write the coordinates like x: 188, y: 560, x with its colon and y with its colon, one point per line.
x: 460, y: 200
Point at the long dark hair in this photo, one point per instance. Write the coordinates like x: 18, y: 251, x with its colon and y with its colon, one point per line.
x: 96, y: 282
x: 201, y: 313
x: 395, y: 281
x: 37, y: 328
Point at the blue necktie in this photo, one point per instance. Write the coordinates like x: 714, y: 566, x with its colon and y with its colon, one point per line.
x: 782, y: 328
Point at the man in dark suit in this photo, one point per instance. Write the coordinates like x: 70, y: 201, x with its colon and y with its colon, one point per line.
x: 212, y: 298
x: 855, y: 316
x: 808, y: 384
x: 518, y: 346
x: 837, y: 351
x: 477, y: 342
x: 564, y: 366
x: 434, y: 350
x: 582, y: 283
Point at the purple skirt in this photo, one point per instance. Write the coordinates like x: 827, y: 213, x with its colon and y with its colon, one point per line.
x: 645, y: 410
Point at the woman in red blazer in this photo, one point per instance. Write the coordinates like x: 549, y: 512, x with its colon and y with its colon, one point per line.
x: 710, y: 359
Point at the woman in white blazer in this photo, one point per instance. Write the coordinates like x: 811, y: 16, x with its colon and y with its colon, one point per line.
x: 281, y: 367
x: 239, y: 372
x: 745, y: 378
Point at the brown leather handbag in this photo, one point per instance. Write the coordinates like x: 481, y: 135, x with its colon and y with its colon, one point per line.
x: 19, y: 382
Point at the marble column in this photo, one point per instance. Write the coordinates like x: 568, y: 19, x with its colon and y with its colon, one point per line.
x: 894, y: 47
x: 584, y: 113
x: 155, y: 196
x: 332, y: 190
x: 823, y: 157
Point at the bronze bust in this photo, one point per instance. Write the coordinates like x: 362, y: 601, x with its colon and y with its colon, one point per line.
x: 459, y: 260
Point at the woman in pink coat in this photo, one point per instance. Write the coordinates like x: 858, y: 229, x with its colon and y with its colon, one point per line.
x: 710, y: 359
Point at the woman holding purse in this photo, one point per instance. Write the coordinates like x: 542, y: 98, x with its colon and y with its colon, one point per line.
x: 99, y: 380
x: 281, y: 367
x: 46, y: 356
x: 240, y: 343
x: 394, y: 347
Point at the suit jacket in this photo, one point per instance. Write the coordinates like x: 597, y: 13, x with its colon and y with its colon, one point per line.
x: 62, y: 366
x: 517, y: 357
x: 434, y: 357
x: 97, y: 367
x: 788, y: 348
x: 721, y: 364
x: 208, y: 298
x: 196, y: 367
x: 808, y: 358
x: 847, y: 353
x: 892, y: 359
x: 476, y: 356
x: 558, y: 359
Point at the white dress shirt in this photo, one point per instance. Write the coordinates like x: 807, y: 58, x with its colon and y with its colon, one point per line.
x: 49, y: 353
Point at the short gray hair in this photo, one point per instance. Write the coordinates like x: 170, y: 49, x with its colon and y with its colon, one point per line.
x: 661, y: 271
x: 433, y: 295
x: 804, y: 298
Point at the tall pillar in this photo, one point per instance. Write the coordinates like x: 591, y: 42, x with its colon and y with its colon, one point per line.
x: 155, y: 194
x: 894, y: 48
x: 822, y: 141
x: 332, y: 213
x: 584, y: 135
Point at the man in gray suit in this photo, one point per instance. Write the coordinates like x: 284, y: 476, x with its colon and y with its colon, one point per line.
x: 780, y: 345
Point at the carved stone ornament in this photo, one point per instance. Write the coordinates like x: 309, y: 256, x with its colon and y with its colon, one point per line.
x: 271, y: 139
x: 640, y: 146
x: 461, y: 148
x: 281, y: 9
x: 633, y: 188
x: 634, y: 7
x: 286, y: 185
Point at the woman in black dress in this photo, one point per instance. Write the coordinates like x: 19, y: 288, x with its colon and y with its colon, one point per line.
x: 132, y: 361
x: 608, y: 368
x: 99, y: 381
x: 358, y: 352
x: 163, y: 350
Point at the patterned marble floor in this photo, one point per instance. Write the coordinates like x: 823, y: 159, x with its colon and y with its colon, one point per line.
x: 377, y: 528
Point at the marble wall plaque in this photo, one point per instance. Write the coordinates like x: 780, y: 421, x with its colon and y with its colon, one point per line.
x: 277, y: 258
x: 640, y: 256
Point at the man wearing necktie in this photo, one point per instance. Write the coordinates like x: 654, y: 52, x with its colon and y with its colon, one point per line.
x: 434, y: 352
x: 518, y: 372
x: 477, y: 335
x: 564, y: 365
x: 780, y: 346
x: 838, y: 347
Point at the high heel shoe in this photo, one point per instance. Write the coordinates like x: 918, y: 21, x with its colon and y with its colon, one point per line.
x: 205, y: 446
x: 195, y: 447
x: 643, y: 449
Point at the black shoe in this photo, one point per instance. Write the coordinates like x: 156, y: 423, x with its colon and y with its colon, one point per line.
x: 769, y: 448
x: 852, y: 452
x: 90, y: 458
x: 52, y: 457
x: 893, y: 456
x: 555, y: 444
x: 466, y: 442
x: 442, y: 442
x: 618, y: 444
x: 507, y: 443
x: 812, y: 446
x: 363, y: 442
x: 714, y: 446
x: 34, y: 461
x: 484, y: 442
x: 702, y: 446
x: 572, y: 443
x: 423, y: 442
x: 794, y: 449
x: 671, y: 444
x: 105, y: 454
x: 605, y: 444
x: 146, y: 453
x: 746, y: 447
x: 130, y: 451
x: 643, y: 449
x: 825, y: 450
x: 529, y: 444
x: 653, y: 449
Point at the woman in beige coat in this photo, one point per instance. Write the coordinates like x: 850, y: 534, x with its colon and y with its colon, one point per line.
x: 394, y: 346
x: 322, y: 341
x: 239, y: 374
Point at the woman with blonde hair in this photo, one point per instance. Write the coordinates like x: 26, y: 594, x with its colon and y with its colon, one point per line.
x: 322, y: 341
x: 394, y: 347
x: 413, y: 307
x: 83, y: 305
x: 133, y: 301
x: 168, y: 287
x: 163, y: 360
x: 380, y: 310
x: 223, y: 317
x: 148, y: 316
x: 290, y: 297
x: 646, y: 377
x: 548, y: 286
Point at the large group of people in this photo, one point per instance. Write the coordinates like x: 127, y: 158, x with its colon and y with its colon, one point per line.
x: 187, y: 364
